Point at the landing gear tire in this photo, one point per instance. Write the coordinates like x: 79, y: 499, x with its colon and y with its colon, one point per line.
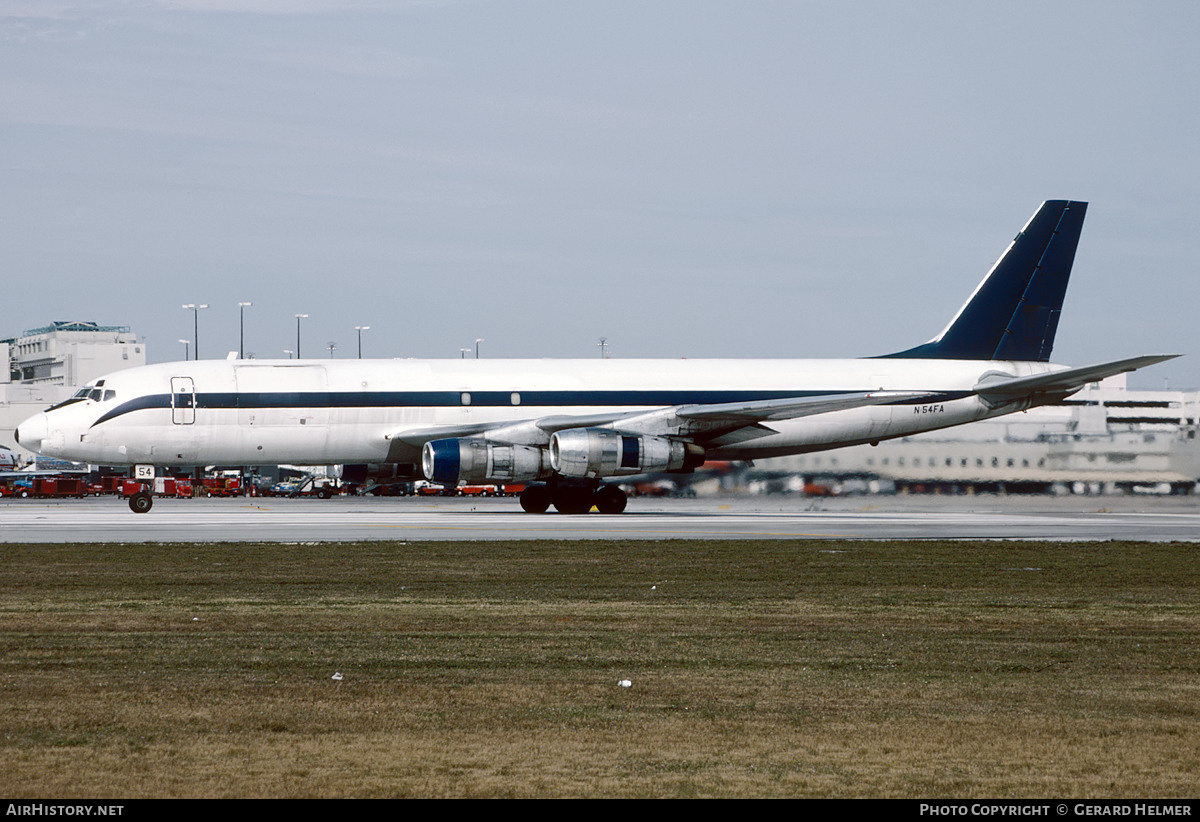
x: 535, y: 499
x: 140, y: 502
x: 573, y: 500
x: 610, y: 500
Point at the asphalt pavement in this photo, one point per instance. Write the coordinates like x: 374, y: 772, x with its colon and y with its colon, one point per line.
x: 107, y: 519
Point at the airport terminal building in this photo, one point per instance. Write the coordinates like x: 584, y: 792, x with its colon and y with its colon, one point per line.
x: 47, y: 365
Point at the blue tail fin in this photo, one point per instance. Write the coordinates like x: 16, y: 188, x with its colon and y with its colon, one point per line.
x: 1014, y: 312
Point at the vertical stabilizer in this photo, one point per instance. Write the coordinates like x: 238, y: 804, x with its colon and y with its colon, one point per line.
x: 1014, y: 312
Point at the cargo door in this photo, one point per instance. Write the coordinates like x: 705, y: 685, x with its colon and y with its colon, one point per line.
x: 283, y: 412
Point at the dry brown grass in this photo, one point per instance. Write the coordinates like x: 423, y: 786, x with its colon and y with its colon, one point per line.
x: 775, y: 668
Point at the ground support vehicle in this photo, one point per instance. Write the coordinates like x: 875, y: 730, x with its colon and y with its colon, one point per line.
x: 44, y: 487
x: 220, y: 487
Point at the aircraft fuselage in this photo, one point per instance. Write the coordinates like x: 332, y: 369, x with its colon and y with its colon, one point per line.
x: 258, y: 412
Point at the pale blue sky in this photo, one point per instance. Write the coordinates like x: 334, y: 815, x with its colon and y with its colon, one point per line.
x: 701, y: 179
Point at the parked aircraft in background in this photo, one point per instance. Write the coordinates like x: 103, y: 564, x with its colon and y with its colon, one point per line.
x: 564, y: 426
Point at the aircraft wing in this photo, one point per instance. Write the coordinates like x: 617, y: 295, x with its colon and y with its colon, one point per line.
x: 419, y: 436
x: 790, y: 408
x: 707, y: 418
x: 745, y: 420
x: 1064, y: 382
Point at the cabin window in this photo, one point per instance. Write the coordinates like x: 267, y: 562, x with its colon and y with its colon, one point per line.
x: 515, y: 397
x: 466, y: 398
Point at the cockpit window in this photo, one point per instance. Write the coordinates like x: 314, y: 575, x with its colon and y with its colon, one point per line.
x: 94, y: 392
x: 82, y: 394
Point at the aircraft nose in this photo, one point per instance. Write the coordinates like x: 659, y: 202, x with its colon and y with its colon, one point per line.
x: 31, y: 432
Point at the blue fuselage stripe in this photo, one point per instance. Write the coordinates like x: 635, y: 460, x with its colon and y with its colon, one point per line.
x: 248, y: 400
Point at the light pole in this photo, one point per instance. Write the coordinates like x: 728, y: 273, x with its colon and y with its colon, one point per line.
x: 332, y: 345
x: 289, y: 352
x: 299, y: 317
x: 242, y: 329
x: 195, y: 309
x: 186, y: 343
x: 603, y: 345
x: 462, y: 353
x: 360, y: 329
x: 477, y: 342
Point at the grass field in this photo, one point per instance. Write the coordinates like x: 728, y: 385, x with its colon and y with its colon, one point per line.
x: 764, y: 668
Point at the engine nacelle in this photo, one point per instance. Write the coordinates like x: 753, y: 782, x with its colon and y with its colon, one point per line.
x: 476, y: 460
x: 602, y: 452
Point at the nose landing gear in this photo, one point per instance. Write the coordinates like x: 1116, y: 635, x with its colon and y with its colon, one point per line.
x: 141, y: 502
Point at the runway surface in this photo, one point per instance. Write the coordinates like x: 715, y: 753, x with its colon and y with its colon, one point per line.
x: 405, y: 519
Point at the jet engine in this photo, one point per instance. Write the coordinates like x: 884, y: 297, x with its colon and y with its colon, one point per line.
x: 602, y: 452
x: 477, y: 460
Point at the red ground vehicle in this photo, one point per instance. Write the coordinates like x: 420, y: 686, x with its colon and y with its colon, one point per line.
x: 127, y: 487
x: 221, y: 487
x: 44, y: 487
x: 59, y: 487
x: 478, y: 491
x: 159, y: 487
x: 111, y: 484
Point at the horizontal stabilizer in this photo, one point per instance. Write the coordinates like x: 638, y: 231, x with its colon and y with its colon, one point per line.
x: 1064, y: 382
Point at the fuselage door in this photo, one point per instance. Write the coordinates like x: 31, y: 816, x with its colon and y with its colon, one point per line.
x: 183, y: 401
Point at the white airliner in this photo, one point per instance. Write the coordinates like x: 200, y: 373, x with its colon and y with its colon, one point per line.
x: 563, y: 426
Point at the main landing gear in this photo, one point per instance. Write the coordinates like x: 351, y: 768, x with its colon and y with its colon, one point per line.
x: 573, y: 499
